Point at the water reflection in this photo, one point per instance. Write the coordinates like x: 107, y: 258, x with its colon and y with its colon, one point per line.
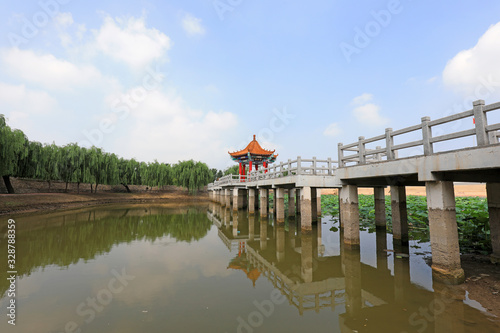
x: 367, y: 298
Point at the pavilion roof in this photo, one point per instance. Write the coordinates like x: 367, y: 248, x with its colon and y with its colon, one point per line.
x: 253, y: 148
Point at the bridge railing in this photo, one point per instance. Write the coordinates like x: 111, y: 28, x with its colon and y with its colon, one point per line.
x: 298, y: 166
x: 485, y: 135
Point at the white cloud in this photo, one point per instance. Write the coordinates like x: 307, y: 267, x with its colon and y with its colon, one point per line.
x: 17, y: 98
x: 333, y: 130
x: 362, y: 99
x: 475, y: 72
x: 63, y: 20
x: 129, y: 41
x: 369, y: 115
x: 192, y: 25
x: 165, y: 128
x: 50, y: 72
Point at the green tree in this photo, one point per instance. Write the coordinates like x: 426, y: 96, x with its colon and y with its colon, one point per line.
x: 192, y: 175
x: 49, y: 163
x: 13, y: 148
x: 234, y: 170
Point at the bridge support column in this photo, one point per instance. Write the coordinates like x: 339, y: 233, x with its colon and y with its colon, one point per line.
x: 379, y: 197
x: 399, y: 214
x: 349, y: 211
x: 251, y: 201
x: 493, y: 193
x: 220, y: 197
x: 314, y: 204
x: 318, y: 201
x: 297, y: 201
x: 305, y: 210
x: 443, y: 231
x: 291, y: 203
x: 263, y: 202
x: 238, y: 198
x: 227, y: 193
x: 279, y: 202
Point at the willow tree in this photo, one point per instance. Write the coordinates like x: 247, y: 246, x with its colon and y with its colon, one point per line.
x: 128, y: 173
x: 72, y: 164
x: 13, y: 148
x: 234, y: 170
x: 50, y: 162
x: 192, y: 175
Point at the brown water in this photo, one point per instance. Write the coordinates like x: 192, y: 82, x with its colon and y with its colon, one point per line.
x: 189, y: 269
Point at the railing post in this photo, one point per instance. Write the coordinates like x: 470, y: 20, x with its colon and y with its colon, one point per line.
x: 361, y: 150
x: 341, y: 154
x: 378, y: 156
x: 281, y: 169
x: 289, y: 173
x: 299, y: 165
x: 314, y: 166
x: 481, y: 122
x: 330, y: 171
x: 389, y: 143
x: 426, y: 136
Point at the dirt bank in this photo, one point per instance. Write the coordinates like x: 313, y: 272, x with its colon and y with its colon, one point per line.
x: 35, y: 202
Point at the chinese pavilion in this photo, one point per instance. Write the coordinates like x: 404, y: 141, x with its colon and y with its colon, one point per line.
x: 253, y: 155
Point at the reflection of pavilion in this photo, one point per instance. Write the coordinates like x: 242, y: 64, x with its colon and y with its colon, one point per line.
x: 366, y: 297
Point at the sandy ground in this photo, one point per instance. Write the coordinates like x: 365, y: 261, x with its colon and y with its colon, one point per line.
x: 35, y: 202
x: 476, y: 190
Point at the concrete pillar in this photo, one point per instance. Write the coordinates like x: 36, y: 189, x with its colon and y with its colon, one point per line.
x: 318, y: 201
x: 291, y: 203
x: 279, y: 202
x: 263, y: 234
x: 263, y: 202
x: 297, y: 201
x: 306, y: 258
x: 236, y: 198
x: 305, y: 207
x: 349, y: 211
x: 379, y: 197
x: 493, y: 193
x: 399, y: 214
x: 314, y: 204
x: 443, y: 232
x: 280, y: 242
x: 251, y: 201
x: 227, y: 193
x: 239, y: 198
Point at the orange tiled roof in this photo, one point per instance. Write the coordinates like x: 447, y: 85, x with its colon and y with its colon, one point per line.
x: 253, y: 148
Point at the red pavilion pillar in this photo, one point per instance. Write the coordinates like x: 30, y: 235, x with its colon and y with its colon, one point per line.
x: 243, y: 171
x: 239, y: 173
x: 250, y: 167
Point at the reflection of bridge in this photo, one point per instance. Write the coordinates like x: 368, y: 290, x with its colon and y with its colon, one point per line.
x: 392, y: 159
x: 363, y: 295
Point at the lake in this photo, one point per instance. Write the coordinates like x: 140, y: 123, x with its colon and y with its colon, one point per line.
x: 160, y: 268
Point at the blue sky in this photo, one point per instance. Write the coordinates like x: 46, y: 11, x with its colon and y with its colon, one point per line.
x: 174, y: 80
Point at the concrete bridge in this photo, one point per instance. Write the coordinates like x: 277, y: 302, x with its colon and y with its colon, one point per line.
x: 387, y: 160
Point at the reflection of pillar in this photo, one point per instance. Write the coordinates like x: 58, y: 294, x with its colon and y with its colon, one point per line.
x: 263, y: 202
x: 280, y: 243
x: 292, y: 228
x: 379, y: 197
x: 305, y: 210
x: 353, y: 301
x: 251, y: 201
x: 338, y: 202
x: 314, y: 204
x: 263, y: 234
x: 280, y: 205
x: 342, y: 250
x: 291, y: 203
x: 493, y: 193
x: 318, y: 201
x: 321, y: 247
x: 235, y: 224
x: 350, y: 215
x: 399, y: 214
x: 447, y: 306
x: 381, y: 246
x: 227, y: 218
x: 443, y: 232
x: 306, y: 258
x: 401, y: 271
x: 251, y: 227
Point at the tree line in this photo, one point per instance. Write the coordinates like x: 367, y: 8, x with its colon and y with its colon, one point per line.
x: 71, y: 163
